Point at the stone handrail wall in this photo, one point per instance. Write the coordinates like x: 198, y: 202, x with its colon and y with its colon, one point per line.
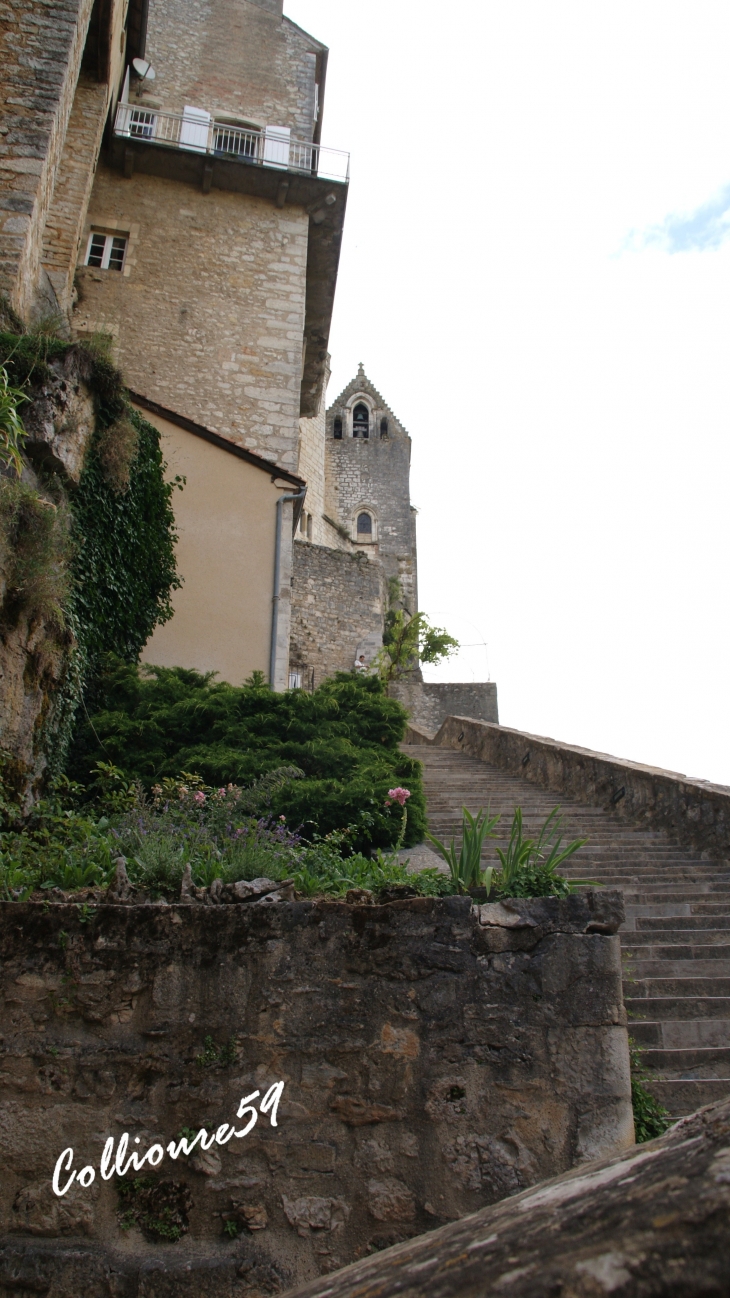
x: 695, y: 812
x: 436, y: 1056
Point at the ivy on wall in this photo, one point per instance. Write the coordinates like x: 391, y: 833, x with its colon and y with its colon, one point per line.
x: 118, y: 571
x: 124, y: 555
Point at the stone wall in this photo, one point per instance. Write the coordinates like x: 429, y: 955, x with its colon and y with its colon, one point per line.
x: 695, y: 812
x: 67, y: 213
x: 234, y: 58
x: 337, y: 603
x: 648, y: 1224
x: 209, y: 321
x: 435, y: 1058
x: 372, y: 474
x: 429, y: 703
x: 40, y: 55
x: 311, y: 467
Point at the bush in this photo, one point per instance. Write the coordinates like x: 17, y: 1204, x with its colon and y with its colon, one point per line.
x: 156, y: 722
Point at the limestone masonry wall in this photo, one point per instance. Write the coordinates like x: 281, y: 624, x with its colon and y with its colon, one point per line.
x: 429, y: 703
x: 337, y: 602
x: 209, y: 320
x: 233, y: 58
x: 436, y: 1057
x: 40, y: 54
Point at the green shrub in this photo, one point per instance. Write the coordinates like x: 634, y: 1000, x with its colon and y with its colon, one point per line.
x: 156, y: 722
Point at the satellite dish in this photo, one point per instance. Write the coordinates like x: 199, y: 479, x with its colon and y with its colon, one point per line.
x: 143, y: 69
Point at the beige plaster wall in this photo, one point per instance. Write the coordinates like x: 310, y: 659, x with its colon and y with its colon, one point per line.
x: 210, y: 318
x: 226, y: 517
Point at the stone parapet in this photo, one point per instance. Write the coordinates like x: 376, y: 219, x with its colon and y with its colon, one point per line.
x: 429, y: 703
x: 695, y: 812
x: 436, y: 1056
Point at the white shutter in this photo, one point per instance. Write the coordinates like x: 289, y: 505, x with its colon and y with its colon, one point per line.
x: 276, y: 146
x: 194, y: 129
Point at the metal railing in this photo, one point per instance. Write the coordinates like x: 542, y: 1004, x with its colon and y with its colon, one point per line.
x: 198, y: 132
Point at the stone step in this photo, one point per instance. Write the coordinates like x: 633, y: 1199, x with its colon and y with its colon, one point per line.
x: 690, y: 923
x: 679, y: 1006
x: 676, y: 967
x: 689, y: 988
x: 681, y: 1034
x: 715, y: 957
x: 681, y: 1097
x: 676, y: 940
x: 668, y: 939
x: 702, y: 1062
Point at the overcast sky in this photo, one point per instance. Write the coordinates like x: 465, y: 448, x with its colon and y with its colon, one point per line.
x: 536, y: 275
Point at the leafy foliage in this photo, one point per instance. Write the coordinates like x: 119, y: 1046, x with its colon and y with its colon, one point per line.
x: 409, y: 638
x: 651, y: 1119
x: 466, y: 868
x: 155, y: 722
x: 124, y: 566
x: 529, y: 866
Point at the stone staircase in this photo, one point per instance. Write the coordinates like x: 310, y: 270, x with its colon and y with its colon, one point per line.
x: 676, y: 938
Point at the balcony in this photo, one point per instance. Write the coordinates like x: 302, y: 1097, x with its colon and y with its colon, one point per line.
x: 192, y: 149
x: 195, y: 131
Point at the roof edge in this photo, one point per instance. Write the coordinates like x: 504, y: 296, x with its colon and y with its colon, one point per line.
x: 223, y: 443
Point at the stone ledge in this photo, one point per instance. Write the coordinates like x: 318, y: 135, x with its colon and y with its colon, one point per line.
x: 695, y: 812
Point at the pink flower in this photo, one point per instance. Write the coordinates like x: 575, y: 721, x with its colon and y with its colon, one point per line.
x: 398, y: 795
x: 199, y: 798
x: 221, y: 793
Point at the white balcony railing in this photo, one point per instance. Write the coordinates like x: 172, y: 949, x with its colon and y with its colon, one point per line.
x: 197, y: 132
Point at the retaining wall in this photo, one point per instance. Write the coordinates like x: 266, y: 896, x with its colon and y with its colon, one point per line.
x: 435, y: 1058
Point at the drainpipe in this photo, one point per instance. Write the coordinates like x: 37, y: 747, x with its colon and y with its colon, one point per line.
x: 298, y: 495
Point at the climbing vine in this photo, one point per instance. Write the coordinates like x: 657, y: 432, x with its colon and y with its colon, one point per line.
x: 99, y: 556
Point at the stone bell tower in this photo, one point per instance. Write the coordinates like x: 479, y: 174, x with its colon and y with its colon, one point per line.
x: 366, y: 533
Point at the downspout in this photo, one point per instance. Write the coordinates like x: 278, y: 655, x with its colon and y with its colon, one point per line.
x: 298, y: 495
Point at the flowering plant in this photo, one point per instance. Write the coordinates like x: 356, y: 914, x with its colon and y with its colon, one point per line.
x: 399, y: 795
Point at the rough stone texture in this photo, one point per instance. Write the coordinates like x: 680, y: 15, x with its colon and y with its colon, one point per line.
x: 235, y: 58
x: 40, y: 55
x: 59, y: 421
x: 429, y: 703
x: 372, y: 474
x: 651, y: 1223
x: 436, y: 1057
x: 695, y: 812
x: 67, y: 213
x: 34, y: 661
x: 337, y: 602
x: 209, y: 321
x: 35, y: 651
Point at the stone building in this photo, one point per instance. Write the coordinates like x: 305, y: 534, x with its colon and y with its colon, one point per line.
x: 355, y: 553
x: 356, y: 548
x: 162, y: 182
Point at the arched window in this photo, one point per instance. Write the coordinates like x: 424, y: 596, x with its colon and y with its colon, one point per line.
x: 338, y: 429
x: 361, y: 420
x: 383, y: 428
x: 364, y: 527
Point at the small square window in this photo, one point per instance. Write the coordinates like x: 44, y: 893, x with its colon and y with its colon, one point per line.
x: 107, y: 251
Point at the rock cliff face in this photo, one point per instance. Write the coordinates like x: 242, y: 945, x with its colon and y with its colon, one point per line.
x: 35, y: 644
x: 435, y: 1057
